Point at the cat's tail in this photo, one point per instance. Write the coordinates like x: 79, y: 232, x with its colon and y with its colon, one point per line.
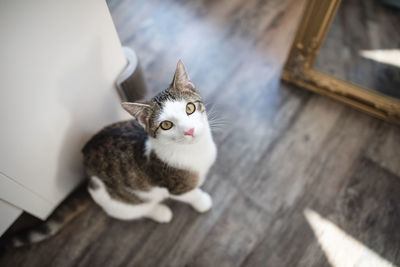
x: 70, y: 208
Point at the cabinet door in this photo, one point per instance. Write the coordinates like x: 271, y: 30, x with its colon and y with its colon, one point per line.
x: 9, y: 214
x: 59, y: 62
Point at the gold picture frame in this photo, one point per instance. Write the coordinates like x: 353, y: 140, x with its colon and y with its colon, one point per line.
x: 298, y: 70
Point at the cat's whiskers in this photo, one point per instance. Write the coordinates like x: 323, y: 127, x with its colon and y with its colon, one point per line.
x: 216, y: 123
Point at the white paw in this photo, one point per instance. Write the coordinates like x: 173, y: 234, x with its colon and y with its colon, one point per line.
x: 204, y: 203
x: 161, y: 213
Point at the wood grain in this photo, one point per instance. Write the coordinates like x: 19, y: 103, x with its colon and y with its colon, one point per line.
x: 282, y: 150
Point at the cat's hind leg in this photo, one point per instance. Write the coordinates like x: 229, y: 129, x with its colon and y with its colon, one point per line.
x: 121, y: 206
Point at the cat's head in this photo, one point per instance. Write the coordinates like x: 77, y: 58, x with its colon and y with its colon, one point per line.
x: 176, y: 114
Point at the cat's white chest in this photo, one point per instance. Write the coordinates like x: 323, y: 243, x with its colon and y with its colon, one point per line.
x: 201, y: 159
x: 197, y: 157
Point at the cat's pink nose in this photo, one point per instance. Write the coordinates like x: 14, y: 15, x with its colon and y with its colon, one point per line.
x: 190, y: 132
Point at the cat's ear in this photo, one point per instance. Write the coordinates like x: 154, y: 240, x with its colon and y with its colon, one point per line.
x: 141, y: 112
x: 181, y: 78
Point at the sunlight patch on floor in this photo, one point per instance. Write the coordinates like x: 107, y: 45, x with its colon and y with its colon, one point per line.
x: 340, y: 248
x: 386, y: 56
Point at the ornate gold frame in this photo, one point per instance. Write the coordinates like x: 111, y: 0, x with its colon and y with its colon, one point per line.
x: 298, y: 70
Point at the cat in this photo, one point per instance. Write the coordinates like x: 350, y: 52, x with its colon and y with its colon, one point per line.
x: 165, y: 152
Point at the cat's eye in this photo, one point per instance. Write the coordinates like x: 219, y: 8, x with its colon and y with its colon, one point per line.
x: 166, y: 125
x: 190, y: 108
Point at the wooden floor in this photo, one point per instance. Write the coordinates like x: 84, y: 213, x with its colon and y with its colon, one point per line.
x: 300, y: 180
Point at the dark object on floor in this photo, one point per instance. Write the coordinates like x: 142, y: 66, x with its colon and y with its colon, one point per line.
x: 131, y: 84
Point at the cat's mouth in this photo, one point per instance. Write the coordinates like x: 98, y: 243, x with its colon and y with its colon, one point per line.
x: 185, y: 139
x: 188, y: 139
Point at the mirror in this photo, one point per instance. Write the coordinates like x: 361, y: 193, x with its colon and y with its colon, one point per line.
x: 363, y: 45
x: 349, y: 50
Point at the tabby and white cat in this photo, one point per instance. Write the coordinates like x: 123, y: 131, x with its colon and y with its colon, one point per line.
x: 165, y: 152
x: 134, y: 165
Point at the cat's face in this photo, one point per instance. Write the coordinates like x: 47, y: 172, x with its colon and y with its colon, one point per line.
x: 181, y: 120
x: 177, y: 114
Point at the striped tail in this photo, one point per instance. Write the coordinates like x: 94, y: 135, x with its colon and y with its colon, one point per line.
x: 77, y: 202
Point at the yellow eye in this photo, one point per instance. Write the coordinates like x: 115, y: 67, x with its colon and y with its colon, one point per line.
x: 166, y: 125
x: 190, y: 108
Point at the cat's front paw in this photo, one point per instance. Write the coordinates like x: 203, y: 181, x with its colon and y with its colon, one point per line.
x: 161, y: 213
x: 203, y: 203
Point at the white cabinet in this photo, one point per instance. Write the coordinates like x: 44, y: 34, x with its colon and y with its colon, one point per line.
x: 59, y: 62
x: 8, y: 214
